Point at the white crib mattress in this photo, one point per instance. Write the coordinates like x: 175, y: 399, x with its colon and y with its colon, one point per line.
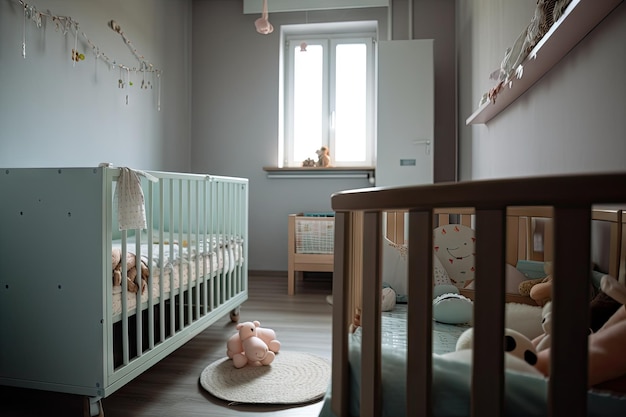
x: 526, y: 394
x: 220, y: 258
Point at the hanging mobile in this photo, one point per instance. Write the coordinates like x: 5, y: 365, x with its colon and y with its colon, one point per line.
x: 158, y: 80
x: 129, y: 82
x: 75, y: 56
x: 24, y: 35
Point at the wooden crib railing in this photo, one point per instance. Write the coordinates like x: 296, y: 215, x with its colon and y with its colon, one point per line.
x: 570, y: 199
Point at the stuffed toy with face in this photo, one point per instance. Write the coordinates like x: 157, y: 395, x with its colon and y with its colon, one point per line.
x: 252, y: 345
x: 454, y: 247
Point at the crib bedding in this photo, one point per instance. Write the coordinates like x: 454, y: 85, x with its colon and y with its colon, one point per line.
x: 526, y: 394
x: 218, y: 255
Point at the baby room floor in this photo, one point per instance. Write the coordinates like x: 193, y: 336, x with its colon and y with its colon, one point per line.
x: 171, y: 387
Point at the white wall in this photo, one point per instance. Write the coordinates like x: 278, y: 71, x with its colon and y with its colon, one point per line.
x: 571, y: 121
x: 54, y: 113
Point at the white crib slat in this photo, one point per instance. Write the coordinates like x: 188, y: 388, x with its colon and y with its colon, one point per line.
x: 371, y: 390
x: 228, y: 232
x: 571, y: 272
x: 150, y: 223
x: 171, y: 244
x: 207, y: 246
x: 138, y: 315
x: 196, y: 245
x: 211, y: 223
x: 124, y: 300
x: 488, y: 352
x: 419, y: 331
x: 161, y: 264
x: 189, y: 264
x: 181, y: 265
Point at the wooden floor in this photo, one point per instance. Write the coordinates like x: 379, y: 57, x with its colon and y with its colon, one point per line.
x: 171, y: 388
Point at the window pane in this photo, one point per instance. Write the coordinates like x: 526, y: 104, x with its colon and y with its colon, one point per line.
x: 308, y: 108
x: 350, y: 102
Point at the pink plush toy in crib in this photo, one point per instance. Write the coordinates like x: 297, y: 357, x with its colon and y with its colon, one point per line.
x: 607, y: 362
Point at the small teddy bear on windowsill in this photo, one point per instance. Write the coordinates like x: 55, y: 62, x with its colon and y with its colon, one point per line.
x: 323, y: 157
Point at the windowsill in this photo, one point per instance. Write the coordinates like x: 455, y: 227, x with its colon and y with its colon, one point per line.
x: 318, y: 172
x: 580, y: 17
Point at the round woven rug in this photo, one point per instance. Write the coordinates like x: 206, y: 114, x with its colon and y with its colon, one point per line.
x: 292, y: 378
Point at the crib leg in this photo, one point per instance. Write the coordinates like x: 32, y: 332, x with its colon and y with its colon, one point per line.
x: 234, y: 315
x: 92, y: 407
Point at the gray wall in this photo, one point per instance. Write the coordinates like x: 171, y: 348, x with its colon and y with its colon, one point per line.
x: 235, y: 108
x: 573, y: 120
x: 54, y: 113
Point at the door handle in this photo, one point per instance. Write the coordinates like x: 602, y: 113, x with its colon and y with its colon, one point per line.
x: 423, y: 142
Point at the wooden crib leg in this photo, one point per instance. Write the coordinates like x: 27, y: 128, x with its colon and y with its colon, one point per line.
x: 92, y: 407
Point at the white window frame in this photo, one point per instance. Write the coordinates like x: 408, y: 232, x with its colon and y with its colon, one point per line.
x: 329, y: 39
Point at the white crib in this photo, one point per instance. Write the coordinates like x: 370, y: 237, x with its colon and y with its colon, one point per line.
x: 64, y: 325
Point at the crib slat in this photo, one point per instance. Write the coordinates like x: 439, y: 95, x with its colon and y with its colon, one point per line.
x: 150, y: 223
x: 371, y: 390
x: 488, y: 355
x: 181, y: 265
x: 190, y: 241
x: 571, y: 271
x: 138, y: 315
x: 161, y: 266
x: 125, y: 353
x: 340, y: 366
x: 171, y: 244
x: 419, y: 330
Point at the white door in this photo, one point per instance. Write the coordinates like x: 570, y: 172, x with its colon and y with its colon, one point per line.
x: 405, y: 133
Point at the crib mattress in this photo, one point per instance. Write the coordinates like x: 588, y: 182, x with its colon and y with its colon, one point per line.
x: 220, y: 258
x: 526, y: 395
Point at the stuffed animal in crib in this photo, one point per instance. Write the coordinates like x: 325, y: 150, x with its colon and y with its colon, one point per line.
x: 542, y: 292
x: 261, y: 344
x: 323, y: 155
x: 449, y: 306
x: 131, y: 270
x: 539, y: 289
x: 520, y: 353
x: 543, y: 341
x: 454, y: 246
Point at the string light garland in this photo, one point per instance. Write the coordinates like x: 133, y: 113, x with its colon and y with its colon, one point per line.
x: 66, y: 24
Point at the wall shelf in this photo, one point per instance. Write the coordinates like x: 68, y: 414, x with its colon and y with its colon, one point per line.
x: 580, y: 17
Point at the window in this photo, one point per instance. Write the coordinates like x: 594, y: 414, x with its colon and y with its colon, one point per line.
x: 328, y: 86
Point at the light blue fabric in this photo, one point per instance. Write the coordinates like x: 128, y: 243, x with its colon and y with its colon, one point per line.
x: 531, y: 269
x: 526, y: 394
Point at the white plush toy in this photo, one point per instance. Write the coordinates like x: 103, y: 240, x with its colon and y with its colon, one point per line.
x: 449, y: 306
x: 520, y: 354
x: 543, y: 341
x: 388, y: 301
x: 452, y: 308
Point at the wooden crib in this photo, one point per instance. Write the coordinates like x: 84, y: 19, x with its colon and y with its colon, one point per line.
x: 569, y: 199
x: 309, y: 245
x: 66, y: 324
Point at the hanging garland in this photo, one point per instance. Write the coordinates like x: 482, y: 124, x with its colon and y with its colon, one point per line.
x: 66, y: 25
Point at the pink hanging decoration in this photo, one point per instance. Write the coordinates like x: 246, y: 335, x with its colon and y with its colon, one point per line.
x: 262, y: 24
